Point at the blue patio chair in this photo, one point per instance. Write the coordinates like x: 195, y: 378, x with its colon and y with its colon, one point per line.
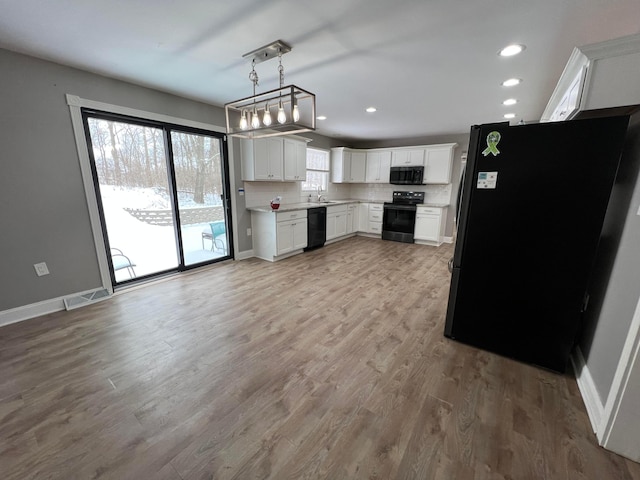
x: 217, y: 233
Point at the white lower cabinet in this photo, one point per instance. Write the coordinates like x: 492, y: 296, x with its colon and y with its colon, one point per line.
x: 336, y: 221
x: 291, y: 235
x: 430, y: 222
x: 278, y: 235
x: 369, y: 218
x: 353, y: 211
x: 376, y: 211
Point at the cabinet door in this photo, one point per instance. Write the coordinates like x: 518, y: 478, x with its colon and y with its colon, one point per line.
x: 341, y: 224
x: 260, y: 160
x: 295, y: 160
x: 331, y: 226
x: 427, y: 227
x: 358, y: 167
x: 300, y: 234
x: 372, y: 170
x: 403, y: 158
x: 352, y: 218
x: 276, y: 158
x: 363, y: 217
x: 385, y: 165
x: 301, y: 160
x: 377, y: 167
x: 438, y: 165
x: 346, y: 167
x: 284, y: 237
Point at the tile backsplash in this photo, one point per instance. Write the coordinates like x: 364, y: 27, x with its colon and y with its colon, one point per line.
x: 259, y: 194
x: 384, y: 192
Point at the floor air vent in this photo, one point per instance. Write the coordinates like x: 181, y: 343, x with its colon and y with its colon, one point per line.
x: 86, y: 298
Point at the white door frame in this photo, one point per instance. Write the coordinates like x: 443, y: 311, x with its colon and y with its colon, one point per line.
x: 76, y: 104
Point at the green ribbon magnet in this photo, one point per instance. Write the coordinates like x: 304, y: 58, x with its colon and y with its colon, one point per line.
x: 492, y: 142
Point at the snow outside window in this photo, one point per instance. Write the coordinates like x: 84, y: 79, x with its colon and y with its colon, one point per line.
x: 317, y: 170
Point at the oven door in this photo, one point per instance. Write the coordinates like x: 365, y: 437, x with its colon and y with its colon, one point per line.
x: 398, y: 222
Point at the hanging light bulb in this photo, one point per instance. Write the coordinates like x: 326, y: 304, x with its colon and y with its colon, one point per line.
x: 282, y: 118
x: 296, y: 113
x: 243, y: 120
x: 255, y: 120
x: 266, y: 119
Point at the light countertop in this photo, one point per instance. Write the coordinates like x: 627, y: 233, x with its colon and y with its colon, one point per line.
x: 288, y: 207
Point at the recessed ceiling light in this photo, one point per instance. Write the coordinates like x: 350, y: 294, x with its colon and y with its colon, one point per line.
x: 511, y: 82
x: 511, y: 50
x: 371, y: 109
x: 510, y: 101
x: 509, y: 115
x: 321, y: 117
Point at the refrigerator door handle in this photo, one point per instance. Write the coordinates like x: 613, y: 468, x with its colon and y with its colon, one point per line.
x: 450, y: 265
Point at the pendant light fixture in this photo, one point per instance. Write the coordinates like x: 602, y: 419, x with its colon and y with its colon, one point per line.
x: 251, y: 117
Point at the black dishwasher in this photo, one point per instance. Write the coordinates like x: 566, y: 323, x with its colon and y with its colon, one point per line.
x: 316, y: 227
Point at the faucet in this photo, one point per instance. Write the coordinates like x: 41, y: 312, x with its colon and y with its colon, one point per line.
x: 319, y: 190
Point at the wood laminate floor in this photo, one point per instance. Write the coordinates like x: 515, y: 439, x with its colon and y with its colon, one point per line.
x: 329, y: 365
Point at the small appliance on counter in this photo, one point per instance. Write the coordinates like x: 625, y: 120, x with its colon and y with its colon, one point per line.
x: 275, y: 203
x: 399, y: 218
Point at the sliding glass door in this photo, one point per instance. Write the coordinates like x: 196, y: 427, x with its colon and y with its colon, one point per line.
x: 201, y: 199
x: 162, y: 192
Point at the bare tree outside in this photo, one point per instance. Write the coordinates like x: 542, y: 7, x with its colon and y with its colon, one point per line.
x: 132, y: 164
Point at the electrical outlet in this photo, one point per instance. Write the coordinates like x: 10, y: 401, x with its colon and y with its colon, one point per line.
x: 248, y: 232
x: 41, y: 269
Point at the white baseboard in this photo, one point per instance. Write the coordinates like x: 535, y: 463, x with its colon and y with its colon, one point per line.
x: 590, y: 397
x: 33, y: 310
x: 244, y: 255
x: 447, y: 239
x: 38, y: 309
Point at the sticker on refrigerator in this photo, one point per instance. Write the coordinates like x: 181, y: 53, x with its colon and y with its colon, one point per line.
x: 487, y: 180
x: 492, y: 144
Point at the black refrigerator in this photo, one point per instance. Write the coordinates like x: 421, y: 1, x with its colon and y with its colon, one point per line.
x: 533, y: 202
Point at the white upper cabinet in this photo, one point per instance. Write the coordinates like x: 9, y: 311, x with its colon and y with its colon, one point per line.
x: 438, y: 164
x: 262, y: 159
x: 407, y: 157
x: 295, y: 159
x: 378, y: 163
x: 599, y: 76
x: 358, y: 166
x: 347, y: 165
x: 372, y: 166
x: 274, y: 159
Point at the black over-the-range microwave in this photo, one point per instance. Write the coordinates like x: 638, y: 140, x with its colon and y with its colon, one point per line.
x: 406, y: 175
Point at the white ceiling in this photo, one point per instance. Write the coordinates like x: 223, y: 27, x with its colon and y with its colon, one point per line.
x: 429, y: 66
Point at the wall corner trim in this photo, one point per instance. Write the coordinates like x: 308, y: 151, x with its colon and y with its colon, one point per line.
x: 590, y: 396
x: 244, y: 255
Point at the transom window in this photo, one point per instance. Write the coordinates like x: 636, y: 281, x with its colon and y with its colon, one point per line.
x: 317, y: 170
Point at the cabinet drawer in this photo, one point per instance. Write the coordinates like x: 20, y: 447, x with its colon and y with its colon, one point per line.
x: 375, y: 216
x: 375, y: 227
x: 284, y: 216
x: 429, y: 210
x: 375, y: 207
x: 337, y: 209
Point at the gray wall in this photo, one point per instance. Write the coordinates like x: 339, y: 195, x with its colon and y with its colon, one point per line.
x: 42, y: 198
x: 615, y: 294
x: 463, y: 144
